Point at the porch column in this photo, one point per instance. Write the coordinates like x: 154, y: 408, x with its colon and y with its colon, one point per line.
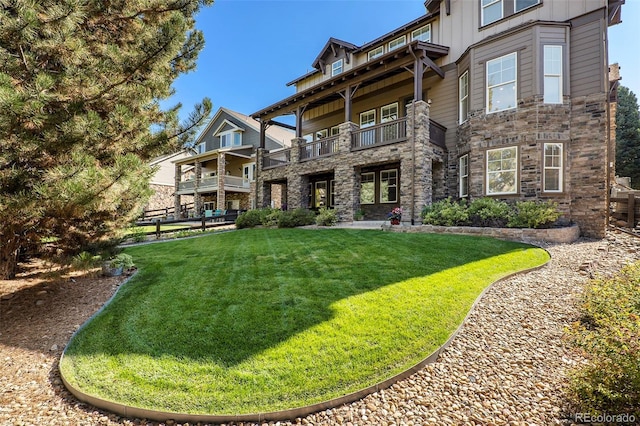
x: 418, y: 72
x: 222, y: 170
x: 197, y: 198
x: 347, y: 105
x: 416, y: 174
x: 259, y: 193
x: 297, y: 191
x: 263, y: 133
x: 346, y: 185
x: 176, y: 197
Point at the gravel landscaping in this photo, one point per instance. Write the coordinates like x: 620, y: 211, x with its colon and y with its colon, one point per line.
x: 506, y: 366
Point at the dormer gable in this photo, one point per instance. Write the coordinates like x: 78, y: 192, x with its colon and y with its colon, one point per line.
x: 332, y: 52
x: 227, y: 126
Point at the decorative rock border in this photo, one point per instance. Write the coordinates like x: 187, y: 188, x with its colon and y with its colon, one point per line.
x: 163, y: 416
x: 564, y: 235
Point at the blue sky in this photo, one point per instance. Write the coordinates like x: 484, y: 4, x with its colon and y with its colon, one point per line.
x: 254, y: 47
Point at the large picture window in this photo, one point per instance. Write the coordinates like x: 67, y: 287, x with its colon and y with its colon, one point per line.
x: 501, y: 83
x: 553, y: 74
x: 491, y: 11
x: 463, y: 92
x: 502, y: 171
x: 389, y: 186
x: 367, y: 188
x: 464, y: 176
x: 552, y: 177
x: 230, y: 139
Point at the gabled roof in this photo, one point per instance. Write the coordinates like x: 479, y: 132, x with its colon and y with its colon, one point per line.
x: 356, y: 49
x: 275, y: 133
x: 332, y: 45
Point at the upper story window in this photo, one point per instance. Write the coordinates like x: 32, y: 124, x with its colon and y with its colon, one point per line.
x: 502, y: 83
x: 378, y: 51
x: 201, y: 147
x: 552, y: 74
x: 422, y: 34
x: 335, y: 130
x: 337, y: 67
x: 463, y: 93
x: 389, y: 112
x: 230, y: 139
x: 321, y: 134
x: 494, y: 10
x: 399, y: 42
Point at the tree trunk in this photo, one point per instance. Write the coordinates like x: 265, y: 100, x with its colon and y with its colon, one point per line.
x: 9, y: 251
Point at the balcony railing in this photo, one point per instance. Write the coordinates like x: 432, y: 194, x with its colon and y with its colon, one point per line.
x: 381, y: 134
x: 321, y: 148
x: 186, y: 185
x: 209, y: 181
x: 276, y: 159
x: 237, y: 182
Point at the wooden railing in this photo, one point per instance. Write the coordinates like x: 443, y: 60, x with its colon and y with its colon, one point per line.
x: 163, y: 213
x: 321, y: 148
x: 381, y: 134
x: 276, y: 159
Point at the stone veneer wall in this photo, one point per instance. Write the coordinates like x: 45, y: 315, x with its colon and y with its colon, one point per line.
x: 580, y: 124
x: 415, y: 168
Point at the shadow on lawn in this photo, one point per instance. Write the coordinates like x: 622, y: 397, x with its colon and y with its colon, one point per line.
x: 221, y: 312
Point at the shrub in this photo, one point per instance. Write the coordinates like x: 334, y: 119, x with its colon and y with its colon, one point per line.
x: 532, y: 214
x: 608, y: 334
x: 489, y: 212
x: 326, y: 217
x: 272, y: 217
x: 446, y: 213
x: 252, y: 218
x: 84, y: 260
x: 123, y: 260
x: 297, y: 217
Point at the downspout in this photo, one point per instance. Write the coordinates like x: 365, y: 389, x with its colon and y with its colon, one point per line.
x: 413, y: 143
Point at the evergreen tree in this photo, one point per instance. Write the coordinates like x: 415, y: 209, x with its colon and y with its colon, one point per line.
x: 80, y: 86
x: 628, y: 136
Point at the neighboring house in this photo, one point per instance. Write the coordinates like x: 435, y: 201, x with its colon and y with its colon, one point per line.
x: 224, y: 163
x: 163, y: 181
x: 501, y: 98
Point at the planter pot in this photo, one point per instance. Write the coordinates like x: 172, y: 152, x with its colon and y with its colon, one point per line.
x: 395, y: 221
x: 108, y: 271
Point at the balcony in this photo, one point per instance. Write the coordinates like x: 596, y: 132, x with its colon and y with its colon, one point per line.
x: 381, y: 134
x: 276, y: 159
x: 210, y: 184
x: 320, y: 148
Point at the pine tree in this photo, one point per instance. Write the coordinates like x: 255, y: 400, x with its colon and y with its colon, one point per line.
x: 628, y: 136
x: 80, y: 86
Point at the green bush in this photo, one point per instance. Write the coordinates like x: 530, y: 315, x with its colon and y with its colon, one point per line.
x: 84, y: 260
x: 534, y: 214
x: 446, y: 213
x: 489, y: 212
x: 252, y: 218
x: 272, y: 217
x: 326, y: 217
x: 121, y: 260
x: 608, y: 335
x: 297, y: 217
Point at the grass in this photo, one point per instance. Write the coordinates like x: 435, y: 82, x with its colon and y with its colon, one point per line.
x: 150, y: 228
x: 269, y: 319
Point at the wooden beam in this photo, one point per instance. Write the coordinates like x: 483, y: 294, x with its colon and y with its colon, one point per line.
x: 428, y: 63
x: 417, y: 79
x: 263, y: 134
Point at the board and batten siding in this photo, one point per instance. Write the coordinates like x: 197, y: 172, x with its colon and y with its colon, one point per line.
x: 587, y: 55
x: 444, y: 103
x: 555, y: 34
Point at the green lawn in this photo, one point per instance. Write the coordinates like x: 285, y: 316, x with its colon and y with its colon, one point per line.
x: 151, y: 228
x: 268, y: 319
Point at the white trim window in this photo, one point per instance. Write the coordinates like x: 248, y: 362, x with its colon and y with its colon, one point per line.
x: 422, y: 34
x: 368, y: 119
x: 229, y: 139
x: 337, y: 67
x: 249, y: 171
x: 367, y: 188
x: 502, y: 83
x: 321, y: 134
x: 332, y: 193
x: 398, y: 42
x: 552, y: 176
x: 375, y: 53
x: 502, y: 171
x: 389, y: 186
x: 201, y: 148
x: 552, y: 74
x: 335, y: 131
x: 525, y: 4
x: 491, y: 10
x: 389, y: 112
x: 463, y: 95
x: 464, y: 176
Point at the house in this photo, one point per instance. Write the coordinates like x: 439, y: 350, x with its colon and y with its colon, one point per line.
x: 223, y: 162
x: 163, y: 181
x: 500, y: 98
